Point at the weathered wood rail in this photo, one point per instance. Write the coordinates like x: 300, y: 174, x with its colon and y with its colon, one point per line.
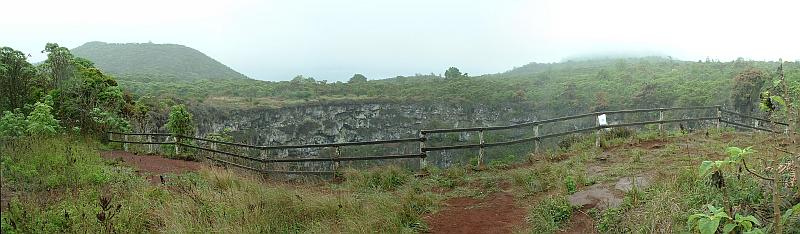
x: 422, y: 154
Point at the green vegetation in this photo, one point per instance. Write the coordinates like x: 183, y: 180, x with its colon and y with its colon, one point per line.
x: 550, y: 215
x: 552, y: 89
x: 155, y: 62
x: 63, y: 92
x: 55, y: 180
x: 88, y: 194
x: 555, y: 89
x: 81, y: 186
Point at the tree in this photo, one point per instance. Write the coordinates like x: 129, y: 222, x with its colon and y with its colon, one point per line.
x: 41, y: 121
x: 180, y: 121
x: 59, y: 64
x: 106, y: 121
x: 16, y: 76
x: 453, y: 72
x: 651, y: 95
x: 745, y: 95
x: 12, y: 124
x: 603, y: 74
x: 357, y: 78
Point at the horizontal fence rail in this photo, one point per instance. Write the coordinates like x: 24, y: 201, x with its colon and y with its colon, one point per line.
x: 423, y: 138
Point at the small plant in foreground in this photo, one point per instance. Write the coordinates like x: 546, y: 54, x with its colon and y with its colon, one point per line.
x: 709, y: 223
x: 549, y: 215
x: 107, y: 213
x: 570, y: 184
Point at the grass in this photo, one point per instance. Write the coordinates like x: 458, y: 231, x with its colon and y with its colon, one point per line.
x: 549, y: 215
x: 62, y: 188
x: 58, y: 188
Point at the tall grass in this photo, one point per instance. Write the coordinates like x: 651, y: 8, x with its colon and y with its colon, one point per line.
x: 215, y: 200
x: 59, y: 185
x: 55, y: 185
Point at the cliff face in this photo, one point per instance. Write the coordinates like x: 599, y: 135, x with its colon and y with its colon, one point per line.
x: 353, y: 122
x: 347, y: 123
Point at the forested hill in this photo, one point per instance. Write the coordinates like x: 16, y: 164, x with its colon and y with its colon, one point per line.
x: 148, y: 61
x: 554, y: 88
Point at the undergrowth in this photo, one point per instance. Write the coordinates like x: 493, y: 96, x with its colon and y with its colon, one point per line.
x: 67, y: 187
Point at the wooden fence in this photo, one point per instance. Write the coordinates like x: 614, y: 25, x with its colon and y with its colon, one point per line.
x: 722, y: 117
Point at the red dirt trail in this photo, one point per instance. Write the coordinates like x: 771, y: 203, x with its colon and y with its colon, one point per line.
x: 494, y: 214
x: 152, y: 166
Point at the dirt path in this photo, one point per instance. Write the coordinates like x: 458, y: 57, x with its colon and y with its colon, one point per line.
x: 496, y: 213
x: 152, y: 166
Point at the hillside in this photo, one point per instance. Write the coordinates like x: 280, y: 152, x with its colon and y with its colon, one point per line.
x: 148, y: 61
x: 553, y: 88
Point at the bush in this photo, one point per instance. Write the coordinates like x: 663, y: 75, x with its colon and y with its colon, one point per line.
x: 12, y: 124
x: 180, y: 121
x: 549, y: 215
x: 41, y: 120
x: 569, y: 140
x: 106, y: 121
x: 570, y: 184
x: 617, y: 133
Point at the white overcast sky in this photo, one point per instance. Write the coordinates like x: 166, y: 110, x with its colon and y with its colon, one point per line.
x: 331, y: 40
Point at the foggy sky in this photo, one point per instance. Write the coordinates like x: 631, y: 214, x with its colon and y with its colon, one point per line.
x: 331, y: 40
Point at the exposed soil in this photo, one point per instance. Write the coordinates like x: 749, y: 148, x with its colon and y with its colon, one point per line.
x: 496, y: 213
x: 152, y: 166
x: 653, y: 144
x: 579, y: 223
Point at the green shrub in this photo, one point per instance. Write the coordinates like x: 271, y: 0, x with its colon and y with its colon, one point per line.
x: 12, y: 124
x: 549, y: 215
x: 569, y: 140
x: 41, y: 120
x: 569, y: 183
x: 107, y: 121
x: 617, y: 133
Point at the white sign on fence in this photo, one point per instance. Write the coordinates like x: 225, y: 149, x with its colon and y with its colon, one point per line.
x: 601, y: 119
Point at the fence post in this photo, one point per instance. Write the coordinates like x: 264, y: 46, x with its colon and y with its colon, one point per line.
x: 150, y: 146
x: 214, y: 147
x: 719, y: 116
x: 335, y: 161
x: 536, y: 140
x: 125, y: 145
x: 597, y: 135
x: 755, y: 123
x: 109, y: 136
x: 480, y: 150
x: 177, y: 141
x: 660, y: 119
x: 422, y: 139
